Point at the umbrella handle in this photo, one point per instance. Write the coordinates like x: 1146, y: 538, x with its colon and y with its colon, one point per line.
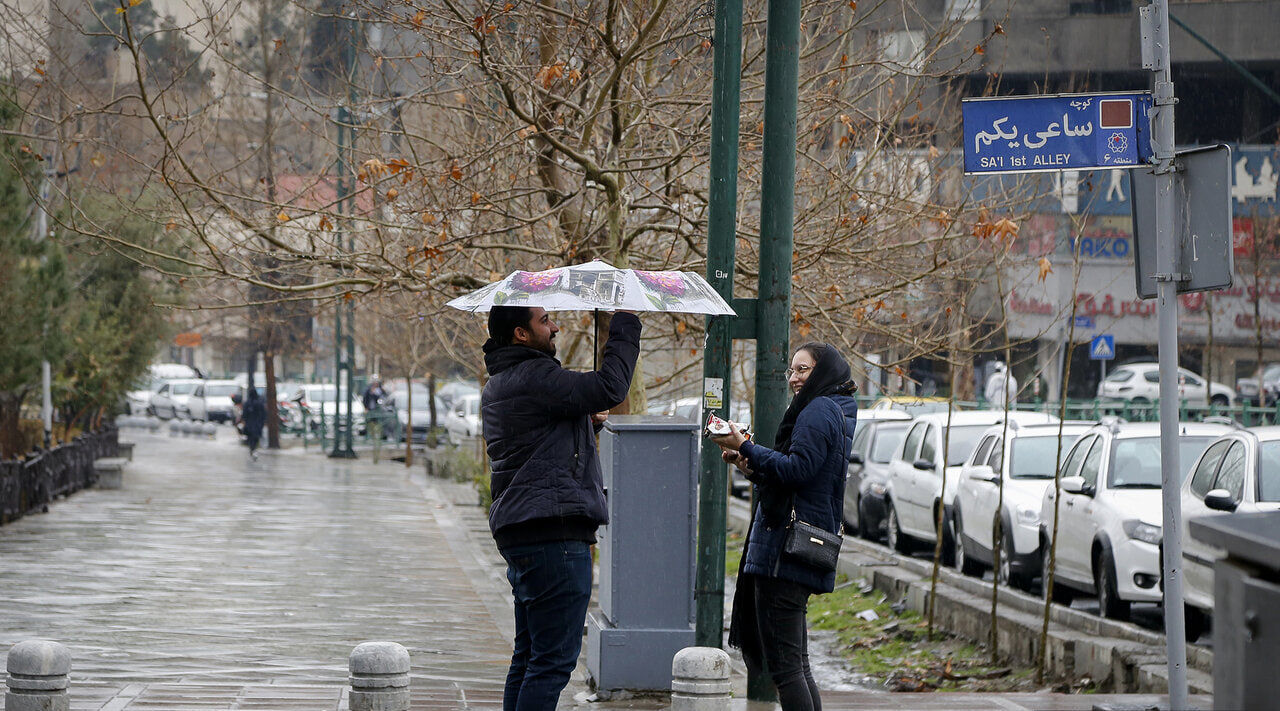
x: 595, y: 340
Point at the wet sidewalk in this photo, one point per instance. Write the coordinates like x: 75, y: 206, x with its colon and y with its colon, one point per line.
x: 215, y: 582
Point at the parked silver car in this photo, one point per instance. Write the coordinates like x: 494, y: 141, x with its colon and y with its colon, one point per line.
x: 879, y: 432
x: 211, y: 401
x: 170, y: 401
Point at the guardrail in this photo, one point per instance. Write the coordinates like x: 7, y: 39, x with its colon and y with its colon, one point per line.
x: 31, y: 483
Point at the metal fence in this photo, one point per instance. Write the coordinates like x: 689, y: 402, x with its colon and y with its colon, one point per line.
x: 1142, y: 411
x: 29, y: 484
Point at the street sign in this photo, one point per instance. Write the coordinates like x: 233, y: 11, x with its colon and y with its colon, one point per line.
x: 1102, y: 347
x: 1029, y: 134
x: 1085, y: 322
x: 1202, y: 198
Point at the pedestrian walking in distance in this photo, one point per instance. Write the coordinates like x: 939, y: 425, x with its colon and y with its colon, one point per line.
x: 539, y: 421
x: 255, y: 416
x: 800, y: 479
x: 1001, y: 390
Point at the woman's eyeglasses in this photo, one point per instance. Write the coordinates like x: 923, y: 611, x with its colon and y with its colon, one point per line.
x: 798, y: 371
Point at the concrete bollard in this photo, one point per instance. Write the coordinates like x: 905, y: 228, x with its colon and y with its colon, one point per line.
x: 379, y: 677
x: 125, y: 450
x: 700, y: 680
x: 37, y: 680
x: 210, y: 430
x: 174, y: 428
x: 153, y: 424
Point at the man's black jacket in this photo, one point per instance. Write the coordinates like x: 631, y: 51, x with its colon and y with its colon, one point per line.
x: 537, y: 422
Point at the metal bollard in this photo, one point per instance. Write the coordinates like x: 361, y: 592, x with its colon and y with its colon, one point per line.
x: 37, y: 681
x: 700, y: 680
x: 379, y: 677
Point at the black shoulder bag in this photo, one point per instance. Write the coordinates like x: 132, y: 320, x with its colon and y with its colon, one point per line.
x: 812, y: 545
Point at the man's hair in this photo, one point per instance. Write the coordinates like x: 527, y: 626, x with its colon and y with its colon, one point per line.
x: 504, y: 320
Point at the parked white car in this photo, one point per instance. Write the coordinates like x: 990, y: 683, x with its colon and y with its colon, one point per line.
x: 1027, y: 466
x: 139, y: 400
x: 170, y: 401
x: 1239, y: 472
x: 316, y: 396
x: 914, y: 489
x: 1140, y: 383
x: 463, y: 419
x: 1109, y: 520
x: 211, y: 401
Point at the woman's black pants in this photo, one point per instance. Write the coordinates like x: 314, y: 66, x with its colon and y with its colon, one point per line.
x: 780, y: 613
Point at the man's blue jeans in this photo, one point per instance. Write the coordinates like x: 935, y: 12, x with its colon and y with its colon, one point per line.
x: 551, y: 584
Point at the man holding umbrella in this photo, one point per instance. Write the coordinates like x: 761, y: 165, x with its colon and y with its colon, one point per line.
x: 539, y: 422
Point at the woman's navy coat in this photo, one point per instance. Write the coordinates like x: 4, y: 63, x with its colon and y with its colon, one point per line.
x: 815, y: 471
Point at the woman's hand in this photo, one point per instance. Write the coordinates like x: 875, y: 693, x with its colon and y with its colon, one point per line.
x: 599, y: 417
x: 732, y: 441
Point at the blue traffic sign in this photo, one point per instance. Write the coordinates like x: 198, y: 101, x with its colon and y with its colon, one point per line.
x: 1085, y: 322
x: 1102, y: 347
x: 1027, y: 134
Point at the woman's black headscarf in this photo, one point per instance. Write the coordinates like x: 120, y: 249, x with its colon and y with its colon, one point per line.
x: 831, y: 376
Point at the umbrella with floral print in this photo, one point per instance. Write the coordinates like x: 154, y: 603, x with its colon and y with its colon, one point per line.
x: 597, y: 286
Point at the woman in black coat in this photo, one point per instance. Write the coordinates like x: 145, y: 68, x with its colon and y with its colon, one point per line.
x: 803, y: 478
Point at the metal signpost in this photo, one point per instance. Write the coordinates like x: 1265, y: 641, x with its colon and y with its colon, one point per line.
x: 1103, y: 348
x: 1155, y: 58
x: 1186, y: 231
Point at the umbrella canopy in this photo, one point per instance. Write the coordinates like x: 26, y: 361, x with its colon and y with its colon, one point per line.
x: 599, y: 286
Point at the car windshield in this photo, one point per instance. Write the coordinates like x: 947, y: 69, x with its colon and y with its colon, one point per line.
x: 1269, y: 471
x: 221, y: 390
x: 1119, y: 376
x: 1271, y: 374
x: 888, y: 437
x: 325, y: 393
x: 183, y: 388
x: 1034, y: 457
x: 1135, y: 462
x: 420, y: 394
x: 962, y: 442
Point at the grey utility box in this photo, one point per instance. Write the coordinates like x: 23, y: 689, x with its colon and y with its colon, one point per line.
x: 647, y: 552
x: 1246, y: 607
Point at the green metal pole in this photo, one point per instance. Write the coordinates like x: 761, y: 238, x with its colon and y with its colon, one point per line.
x: 713, y: 483
x: 343, y: 430
x: 777, y: 213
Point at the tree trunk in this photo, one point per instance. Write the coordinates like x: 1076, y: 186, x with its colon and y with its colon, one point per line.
x: 273, y: 414
x: 10, y: 436
x: 431, y: 404
x: 408, y: 421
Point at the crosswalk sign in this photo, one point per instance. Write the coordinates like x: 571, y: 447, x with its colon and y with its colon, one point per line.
x: 1102, y: 347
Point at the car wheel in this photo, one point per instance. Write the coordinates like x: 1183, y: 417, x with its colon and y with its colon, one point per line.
x: 894, y: 538
x: 1197, y: 623
x: 964, y: 564
x: 868, y: 531
x: 1061, y: 593
x: 853, y: 526
x: 948, y: 539
x: 1219, y: 401
x: 1104, y: 578
x: 1008, y: 577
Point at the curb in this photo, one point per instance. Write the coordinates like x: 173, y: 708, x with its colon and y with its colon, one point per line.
x: 1118, y: 656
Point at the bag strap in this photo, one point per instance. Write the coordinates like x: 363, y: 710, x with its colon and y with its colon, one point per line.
x: 793, y: 516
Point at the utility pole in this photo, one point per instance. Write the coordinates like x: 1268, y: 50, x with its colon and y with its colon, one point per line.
x: 713, y: 485
x: 1155, y: 26
x: 343, y: 428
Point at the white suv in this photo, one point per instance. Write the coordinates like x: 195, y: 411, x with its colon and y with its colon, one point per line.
x: 1140, y: 383
x: 914, y: 490
x: 1240, y: 472
x: 1027, y: 465
x: 1109, y: 521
